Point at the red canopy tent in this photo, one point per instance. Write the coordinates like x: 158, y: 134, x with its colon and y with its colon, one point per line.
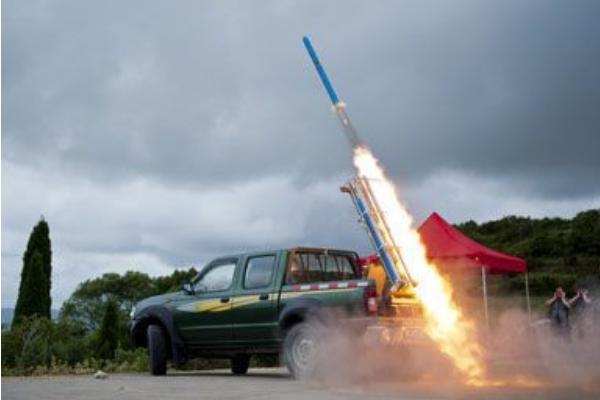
x: 448, y: 246
x: 445, y: 242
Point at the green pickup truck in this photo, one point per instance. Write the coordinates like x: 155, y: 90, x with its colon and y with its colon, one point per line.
x: 271, y: 302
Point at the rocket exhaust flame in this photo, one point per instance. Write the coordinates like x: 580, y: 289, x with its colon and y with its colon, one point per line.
x: 445, y: 323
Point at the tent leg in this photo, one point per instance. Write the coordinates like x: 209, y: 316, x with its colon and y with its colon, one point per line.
x: 527, y: 296
x: 485, y: 299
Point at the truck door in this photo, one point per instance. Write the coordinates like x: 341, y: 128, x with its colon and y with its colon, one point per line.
x: 204, y: 317
x: 254, y: 308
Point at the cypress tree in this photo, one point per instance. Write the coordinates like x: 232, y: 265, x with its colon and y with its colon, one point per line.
x: 31, y: 301
x: 108, y: 334
x: 39, y: 241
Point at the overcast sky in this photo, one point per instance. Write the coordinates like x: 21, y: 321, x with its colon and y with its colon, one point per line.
x: 156, y: 135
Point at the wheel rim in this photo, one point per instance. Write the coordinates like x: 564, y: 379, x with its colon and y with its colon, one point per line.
x: 304, y: 351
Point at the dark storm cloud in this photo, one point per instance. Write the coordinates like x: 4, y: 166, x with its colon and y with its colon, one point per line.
x: 508, y: 91
x: 160, y: 134
x: 182, y: 93
x: 202, y: 92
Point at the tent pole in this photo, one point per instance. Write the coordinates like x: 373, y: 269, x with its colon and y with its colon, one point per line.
x: 527, y: 296
x: 485, y: 299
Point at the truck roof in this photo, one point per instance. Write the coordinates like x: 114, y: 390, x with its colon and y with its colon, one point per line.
x: 298, y: 249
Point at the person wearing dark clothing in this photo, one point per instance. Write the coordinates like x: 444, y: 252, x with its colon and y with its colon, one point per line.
x: 559, y: 313
x: 581, y: 305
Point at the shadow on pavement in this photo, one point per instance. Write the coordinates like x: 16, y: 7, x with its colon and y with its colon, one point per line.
x: 252, y: 374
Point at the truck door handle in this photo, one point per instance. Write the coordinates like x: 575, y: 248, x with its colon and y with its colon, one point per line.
x: 224, y: 299
x: 264, y: 296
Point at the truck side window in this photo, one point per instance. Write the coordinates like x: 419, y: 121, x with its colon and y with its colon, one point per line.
x: 315, y: 270
x: 305, y: 267
x: 347, y: 270
x: 295, y: 272
x: 332, y: 269
x: 217, y: 278
x: 259, y: 271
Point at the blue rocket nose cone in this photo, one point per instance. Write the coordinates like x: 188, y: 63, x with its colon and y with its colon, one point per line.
x: 320, y: 70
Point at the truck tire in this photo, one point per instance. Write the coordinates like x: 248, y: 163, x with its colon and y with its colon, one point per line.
x: 239, y: 364
x: 157, y: 350
x: 301, y: 348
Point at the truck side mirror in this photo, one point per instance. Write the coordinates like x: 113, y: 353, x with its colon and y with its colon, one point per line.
x: 188, y: 288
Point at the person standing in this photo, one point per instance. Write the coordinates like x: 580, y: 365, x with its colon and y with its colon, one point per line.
x: 559, y: 313
x: 581, y: 304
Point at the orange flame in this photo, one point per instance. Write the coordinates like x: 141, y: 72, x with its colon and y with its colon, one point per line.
x: 445, y: 323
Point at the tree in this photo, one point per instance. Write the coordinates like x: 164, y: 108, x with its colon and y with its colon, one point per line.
x: 39, y: 241
x: 87, y: 303
x: 585, y: 233
x: 542, y: 245
x: 108, y: 334
x: 32, y: 291
x: 173, y: 282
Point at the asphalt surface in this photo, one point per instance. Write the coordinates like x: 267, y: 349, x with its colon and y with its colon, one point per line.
x: 257, y: 384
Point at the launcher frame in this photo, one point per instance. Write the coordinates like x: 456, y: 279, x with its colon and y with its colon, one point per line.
x: 371, y: 218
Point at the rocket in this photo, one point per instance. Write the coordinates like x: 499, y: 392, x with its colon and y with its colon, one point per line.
x: 369, y: 211
x: 338, y: 106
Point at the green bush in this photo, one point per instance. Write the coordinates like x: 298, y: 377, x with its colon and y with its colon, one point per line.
x: 28, y: 345
x: 39, y: 346
x: 131, y: 360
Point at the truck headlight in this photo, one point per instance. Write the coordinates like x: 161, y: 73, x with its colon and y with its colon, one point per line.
x: 132, y: 313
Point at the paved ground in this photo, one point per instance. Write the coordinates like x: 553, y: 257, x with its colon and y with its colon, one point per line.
x: 258, y: 384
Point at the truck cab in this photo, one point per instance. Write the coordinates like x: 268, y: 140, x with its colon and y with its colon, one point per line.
x: 255, y: 303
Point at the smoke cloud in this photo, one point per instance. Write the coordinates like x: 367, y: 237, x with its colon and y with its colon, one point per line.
x: 522, y: 360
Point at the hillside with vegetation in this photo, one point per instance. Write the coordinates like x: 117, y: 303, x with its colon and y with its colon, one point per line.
x: 559, y: 251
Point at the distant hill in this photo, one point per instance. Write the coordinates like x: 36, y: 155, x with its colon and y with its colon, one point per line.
x: 8, y: 313
x: 559, y: 252
x: 548, y: 244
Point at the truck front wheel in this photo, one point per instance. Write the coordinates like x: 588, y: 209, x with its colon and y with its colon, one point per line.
x: 301, y: 348
x: 157, y: 350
